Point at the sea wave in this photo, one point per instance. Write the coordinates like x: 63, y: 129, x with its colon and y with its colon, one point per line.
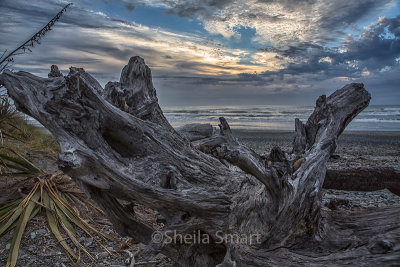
x: 279, y: 117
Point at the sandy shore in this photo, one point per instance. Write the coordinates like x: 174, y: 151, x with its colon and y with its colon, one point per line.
x: 355, y: 149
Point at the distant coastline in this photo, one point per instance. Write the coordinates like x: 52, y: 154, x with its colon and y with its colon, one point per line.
x: 375, y: 118
x: 280, y: 118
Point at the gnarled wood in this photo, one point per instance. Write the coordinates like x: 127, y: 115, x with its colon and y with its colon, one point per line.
x: 196, y: 131
x: 116, y: 143
x: 363, y: 179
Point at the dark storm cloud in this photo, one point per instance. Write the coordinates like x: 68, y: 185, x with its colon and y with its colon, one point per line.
x: 260, y: 16
x: 130, y: 7
x: 73, y: 32
x: 344, y: 13
x: 292, y: 4
x: 243, y: 79
x: 333, y: 14
x: 184, y: 8
x: 376, y: 48
x: 199, y: 66
x: 207, y: 8
x: 393, y: 25
x: 301, y: 49
x: 309, y: 64
x: 41, y: 11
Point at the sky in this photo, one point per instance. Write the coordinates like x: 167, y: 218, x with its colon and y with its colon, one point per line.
x: 219, y: 52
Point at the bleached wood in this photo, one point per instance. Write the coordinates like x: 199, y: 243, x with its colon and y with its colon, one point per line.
x: 116, y: 143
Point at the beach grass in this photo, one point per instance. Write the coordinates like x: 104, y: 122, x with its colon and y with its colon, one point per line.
x: 32, y: 191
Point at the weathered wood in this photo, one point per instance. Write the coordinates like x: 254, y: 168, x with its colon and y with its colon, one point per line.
x: 54, y: 72
x: 363, y: 179
x: 135, y: 93
x: 116, y: 143
x: 196, y: 131
x: 359, y: 238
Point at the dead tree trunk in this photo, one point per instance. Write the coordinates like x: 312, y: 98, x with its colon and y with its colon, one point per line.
x: 363, y: 179
x: 116, y: 143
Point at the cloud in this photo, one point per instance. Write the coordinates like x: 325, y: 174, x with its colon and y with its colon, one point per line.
x: 372, y: 57
x: 276, y: 22
x: 130, y: 7
x: 99, y: 38
x: 300, y: 48
x: 378, y: 46
x: 375, y: 50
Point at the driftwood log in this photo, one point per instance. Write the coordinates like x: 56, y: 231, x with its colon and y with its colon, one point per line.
x: 363, y: 179
x: 116, y: 143
x: 196, y: 131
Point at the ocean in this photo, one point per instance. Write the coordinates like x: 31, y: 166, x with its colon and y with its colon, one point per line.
x: 281, y: 118
x: 373, y: 118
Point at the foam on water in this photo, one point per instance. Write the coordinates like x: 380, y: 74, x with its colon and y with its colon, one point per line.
x: 373, y: 118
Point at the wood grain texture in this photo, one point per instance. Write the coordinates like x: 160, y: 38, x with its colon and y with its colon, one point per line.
x: 116, y: 143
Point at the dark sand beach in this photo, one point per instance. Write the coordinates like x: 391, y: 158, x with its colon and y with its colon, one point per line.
x: 357, y: 149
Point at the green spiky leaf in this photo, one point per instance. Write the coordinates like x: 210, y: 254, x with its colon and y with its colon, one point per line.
x: 51, y: 219
x: 19, y: 230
